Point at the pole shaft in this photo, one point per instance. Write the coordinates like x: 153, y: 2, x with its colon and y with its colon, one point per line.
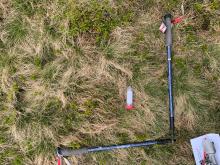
x: 170, y: 90
x: 71, y: 152
x: 140, y: 144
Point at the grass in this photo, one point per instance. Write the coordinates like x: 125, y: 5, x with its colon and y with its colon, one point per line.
x: 16, y: 30
x: 65, y: 65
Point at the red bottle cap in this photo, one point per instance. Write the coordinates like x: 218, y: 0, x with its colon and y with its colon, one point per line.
x: 129, y: 107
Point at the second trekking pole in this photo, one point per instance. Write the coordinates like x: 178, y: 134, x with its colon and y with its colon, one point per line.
x: 168, y: 42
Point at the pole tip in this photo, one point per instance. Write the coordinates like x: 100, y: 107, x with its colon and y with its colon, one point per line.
x: 168, y: 15
x: 58, y: 151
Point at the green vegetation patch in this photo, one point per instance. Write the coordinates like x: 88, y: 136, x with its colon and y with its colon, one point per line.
x: 16, y: 30
x: 29, y: 7
x: 98, y: 18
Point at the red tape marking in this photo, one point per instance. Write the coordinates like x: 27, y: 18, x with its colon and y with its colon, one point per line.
x: 177, y: 20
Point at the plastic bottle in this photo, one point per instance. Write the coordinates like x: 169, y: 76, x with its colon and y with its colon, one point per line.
x: 129, y: 99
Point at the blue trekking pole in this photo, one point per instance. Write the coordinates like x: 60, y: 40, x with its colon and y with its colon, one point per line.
x: 168, y: 38
x: 62, y: 152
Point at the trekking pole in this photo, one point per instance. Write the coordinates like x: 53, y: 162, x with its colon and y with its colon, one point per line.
x: 71, y: 152
x: 63, y: 152
x: 168, y: 42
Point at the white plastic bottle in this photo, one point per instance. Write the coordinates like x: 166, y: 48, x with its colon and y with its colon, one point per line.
x: 129, y: 99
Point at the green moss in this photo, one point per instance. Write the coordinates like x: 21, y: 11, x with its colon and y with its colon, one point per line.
x: 37, y: 62
x: 97, y: 18
x: 10, y: 119
x: 11, y: 93
x: 75, y: 145
x: 72, y: 118
x: 3, y: 139
x: 90, y: 105
x: 93, y: 17
x: 215, y: 4
x: 15, y: 87
x: 73, y: 106
x: 34, y: 76
x: 198, y: 7
x: 142, y: 137
x: 204, y: 47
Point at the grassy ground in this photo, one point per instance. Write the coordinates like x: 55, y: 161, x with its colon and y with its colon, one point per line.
x: 65, y: 65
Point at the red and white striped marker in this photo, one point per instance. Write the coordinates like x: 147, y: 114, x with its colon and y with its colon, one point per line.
x: 163, y: 27
x: 177, y: 20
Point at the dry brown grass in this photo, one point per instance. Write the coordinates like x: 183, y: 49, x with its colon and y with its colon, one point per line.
x: 70, y: 91
x: 185, y: 114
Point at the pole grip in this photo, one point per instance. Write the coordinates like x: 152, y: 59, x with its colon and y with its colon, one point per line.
x: 168, y: 33
x: 70, y: 152
x: 172, y: 129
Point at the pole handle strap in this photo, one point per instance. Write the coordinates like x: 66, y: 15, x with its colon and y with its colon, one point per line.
x: 70, y: 152
x: 59, y: 160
